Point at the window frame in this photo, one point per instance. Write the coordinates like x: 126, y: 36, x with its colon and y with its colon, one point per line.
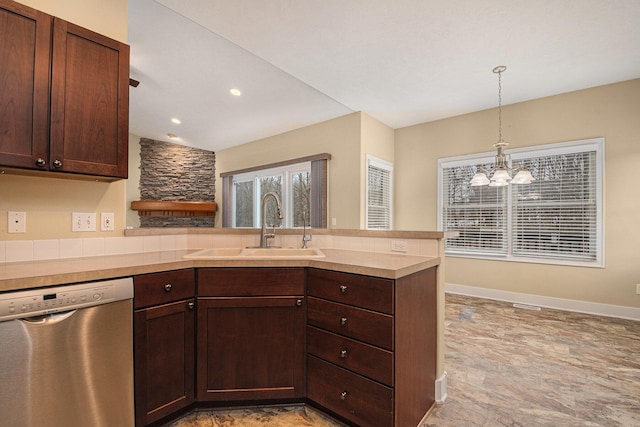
x: 318, y: 174
x: 515, y: 156
x: 372, y: 161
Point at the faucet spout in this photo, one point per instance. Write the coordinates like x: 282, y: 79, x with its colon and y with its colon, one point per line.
x: 264, y: 236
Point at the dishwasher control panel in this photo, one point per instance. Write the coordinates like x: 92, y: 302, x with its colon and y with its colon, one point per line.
x: 44, y: 301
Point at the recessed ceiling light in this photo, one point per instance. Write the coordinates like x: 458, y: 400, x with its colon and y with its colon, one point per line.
x: 235, y: 92
x: 176, y: 121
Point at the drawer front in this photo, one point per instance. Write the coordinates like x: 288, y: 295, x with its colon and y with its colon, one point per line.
x: 358, y: 399
x: 363, y: 291
x: 364, y: 325
x: 162, y: 288
x: 364, y: 359
x: 243, y: 281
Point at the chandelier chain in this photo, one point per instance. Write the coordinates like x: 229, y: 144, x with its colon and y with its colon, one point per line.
x: 499, y: 106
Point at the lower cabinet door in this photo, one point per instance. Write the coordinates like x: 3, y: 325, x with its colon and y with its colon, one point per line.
x: 358, y: 399
x: 250, y: 348
x: 164, y: 346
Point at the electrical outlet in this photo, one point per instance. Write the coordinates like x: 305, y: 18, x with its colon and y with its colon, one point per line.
x: 83, y: 221
x: 334, y: 221
x: 637, y: 288
x: 17, y: 222
x: 399, y: 245
x: 107, y: 220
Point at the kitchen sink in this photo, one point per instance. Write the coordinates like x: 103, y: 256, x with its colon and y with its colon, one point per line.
x: 255, y: 253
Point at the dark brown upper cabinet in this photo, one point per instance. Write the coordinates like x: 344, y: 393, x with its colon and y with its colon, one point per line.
x: 64, y: 96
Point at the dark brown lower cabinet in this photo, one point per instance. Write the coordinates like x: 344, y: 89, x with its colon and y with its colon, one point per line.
x: 250, y: 343
x: 164, y: 360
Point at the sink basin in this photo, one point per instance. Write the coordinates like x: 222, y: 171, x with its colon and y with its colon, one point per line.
x: 214, y: 253
x: 281, y: 252
x: 255, y: 253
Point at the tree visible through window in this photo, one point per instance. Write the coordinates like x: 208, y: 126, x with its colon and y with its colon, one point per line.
x: 557, y: 218
x: 291, y: 184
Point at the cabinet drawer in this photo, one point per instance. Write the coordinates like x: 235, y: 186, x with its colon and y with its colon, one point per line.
x: 162, y: 288
x: 364, y: 325
x: 356, y: 398
x: 363, y: 291
x: 243, y: 282
x: 364, y: 359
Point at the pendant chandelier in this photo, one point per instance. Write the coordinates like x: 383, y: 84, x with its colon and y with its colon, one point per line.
x: 500, y: 172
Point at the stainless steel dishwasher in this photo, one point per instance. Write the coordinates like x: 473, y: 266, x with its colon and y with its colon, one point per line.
x: 66, y: 356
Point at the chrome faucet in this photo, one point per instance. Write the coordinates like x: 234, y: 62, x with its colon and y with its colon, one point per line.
x: 305, y: 238
x: 264, y: 236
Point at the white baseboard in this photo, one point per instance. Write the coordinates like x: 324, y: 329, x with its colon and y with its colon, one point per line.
x: 441, y: 389
x: 619, y: 311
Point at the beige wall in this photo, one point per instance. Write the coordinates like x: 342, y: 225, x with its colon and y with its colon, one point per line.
x: 133, y: 183
x: 348, y: 139
x: 610, y: 111
x: 339, y: 137
x: 49, y: 202
x: 108, y: 17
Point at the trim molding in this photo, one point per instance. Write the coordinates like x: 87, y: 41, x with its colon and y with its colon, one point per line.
x: 609, y: 310
x: 441, y: 389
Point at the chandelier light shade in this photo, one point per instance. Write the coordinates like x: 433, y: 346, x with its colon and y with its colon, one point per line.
x: 500, y: 172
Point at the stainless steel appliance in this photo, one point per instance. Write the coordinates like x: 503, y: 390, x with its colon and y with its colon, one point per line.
x: 66, y: 356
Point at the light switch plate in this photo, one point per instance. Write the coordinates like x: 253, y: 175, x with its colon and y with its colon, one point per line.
x: 17, y: 222
x: 107, y: 220
x: 83, y: 221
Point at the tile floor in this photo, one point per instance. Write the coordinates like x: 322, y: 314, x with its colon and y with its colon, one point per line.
x: 510, y: 367
x: 516, y: 367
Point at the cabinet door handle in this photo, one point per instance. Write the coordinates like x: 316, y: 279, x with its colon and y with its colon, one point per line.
x: 343, y: 395
x: 343, y: 354
x: 191, y: 305
x: 343, y: 320
x: 40, y: 162
x: 299, y: 302
x: 167, y: 287
x: 57, y: 164
x: 343, y: 288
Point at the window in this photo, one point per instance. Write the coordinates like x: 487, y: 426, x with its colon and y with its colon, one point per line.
x: 557, y: 219
x: 379, y: 194
x: 300, y: 184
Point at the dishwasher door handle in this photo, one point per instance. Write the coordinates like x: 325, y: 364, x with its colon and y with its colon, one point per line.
x: 47, y: 319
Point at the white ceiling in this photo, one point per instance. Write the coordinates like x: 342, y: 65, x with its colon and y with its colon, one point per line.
x: 404, y: 62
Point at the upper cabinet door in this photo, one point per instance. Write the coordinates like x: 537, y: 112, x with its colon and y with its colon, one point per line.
x: 25, y: 39
x: 89, y: 102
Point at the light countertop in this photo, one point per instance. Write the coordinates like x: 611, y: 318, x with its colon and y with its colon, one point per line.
x: 33, y: 274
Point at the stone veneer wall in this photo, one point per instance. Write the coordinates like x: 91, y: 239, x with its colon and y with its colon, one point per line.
x: 172, y: 172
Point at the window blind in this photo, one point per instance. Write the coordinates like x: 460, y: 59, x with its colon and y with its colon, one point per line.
x: 555, y: 219
x: 478, y: 214
x: 379, y: 198
x: 556, y: 214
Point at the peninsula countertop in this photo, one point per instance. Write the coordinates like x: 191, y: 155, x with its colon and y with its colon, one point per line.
x: 34, y: 274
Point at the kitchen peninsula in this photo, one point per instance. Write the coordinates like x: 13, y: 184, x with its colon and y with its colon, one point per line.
x: 385, y: 303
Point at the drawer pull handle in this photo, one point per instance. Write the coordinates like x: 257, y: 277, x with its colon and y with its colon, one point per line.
x: 57, y: 164
x: 343, y: 395
x: 343, y: 320
x: 343, y: 288
x: 299, y: 303
x: 167, y: 287
x: 191, y: 305
x: 343, y: 354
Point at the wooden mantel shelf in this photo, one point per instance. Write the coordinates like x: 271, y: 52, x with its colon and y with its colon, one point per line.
x: 172, y: 208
